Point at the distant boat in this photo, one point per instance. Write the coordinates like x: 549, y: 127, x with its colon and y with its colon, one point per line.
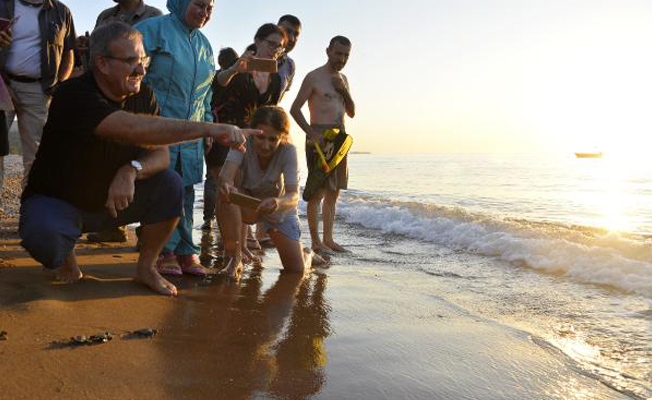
x: 589, y: 155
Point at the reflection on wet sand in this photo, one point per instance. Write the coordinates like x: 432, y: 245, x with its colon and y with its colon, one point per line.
x: 238, y: 341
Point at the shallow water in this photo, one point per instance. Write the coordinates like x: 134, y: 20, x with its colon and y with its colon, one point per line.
x: 550, y: 250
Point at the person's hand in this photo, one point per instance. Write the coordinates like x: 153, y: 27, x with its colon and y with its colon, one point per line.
x: 240, y: 66
x: 231, y: 136
x: 6, y: 37
x: 339, y: 84
x: 225, y: 191
x: 121, y: 191
x: 314, y: 138
x: 268, y: 206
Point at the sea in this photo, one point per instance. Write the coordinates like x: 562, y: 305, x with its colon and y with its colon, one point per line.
x: 548, y: 244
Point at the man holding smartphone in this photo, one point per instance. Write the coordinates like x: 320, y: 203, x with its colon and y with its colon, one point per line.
x: 36, y: 53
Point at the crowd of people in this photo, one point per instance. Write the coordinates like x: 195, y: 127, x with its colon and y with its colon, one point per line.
x: 116, y: 126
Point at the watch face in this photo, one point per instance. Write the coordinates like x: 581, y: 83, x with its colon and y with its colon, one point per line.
x: 136, y: 164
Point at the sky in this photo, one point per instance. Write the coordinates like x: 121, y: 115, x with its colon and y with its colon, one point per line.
x: 468, y: 76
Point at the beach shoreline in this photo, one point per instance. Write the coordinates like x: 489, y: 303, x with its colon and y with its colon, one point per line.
x: 354, y: 330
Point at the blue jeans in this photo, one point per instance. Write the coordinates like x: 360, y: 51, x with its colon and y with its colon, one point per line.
x: 181, y: 243
x: 49, y: 227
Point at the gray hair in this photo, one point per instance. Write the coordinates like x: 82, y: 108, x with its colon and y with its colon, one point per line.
x: 104, y: 35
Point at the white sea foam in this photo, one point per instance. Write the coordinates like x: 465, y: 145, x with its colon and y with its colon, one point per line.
x: 586, y: 254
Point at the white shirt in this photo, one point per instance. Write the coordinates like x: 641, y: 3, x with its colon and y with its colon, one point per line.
x: 24, y: 57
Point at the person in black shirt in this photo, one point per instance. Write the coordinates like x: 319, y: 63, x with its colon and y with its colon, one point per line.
x: 103, y: 161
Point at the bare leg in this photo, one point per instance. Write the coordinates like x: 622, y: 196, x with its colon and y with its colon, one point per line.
x: 292, y: 254
x: 247, y: 256
x: 313, y: 222
x: 215, y: 172
x: 69, y: 271
x: 231, y: 219
x: 154, y: 238
x: 252, y: 241
x: 328, y: 215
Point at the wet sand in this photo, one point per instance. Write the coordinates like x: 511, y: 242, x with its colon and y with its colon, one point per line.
x: 352, y: 331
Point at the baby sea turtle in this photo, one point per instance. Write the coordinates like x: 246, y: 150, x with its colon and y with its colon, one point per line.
x: 3, y: 335
x: 145, y: 333
x: 82, y: 340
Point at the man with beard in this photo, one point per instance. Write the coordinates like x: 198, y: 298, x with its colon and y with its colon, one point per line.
x: 326, y: 90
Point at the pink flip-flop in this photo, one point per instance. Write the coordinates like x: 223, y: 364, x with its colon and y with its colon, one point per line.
x: 191, y: 265
x: 167, y: 264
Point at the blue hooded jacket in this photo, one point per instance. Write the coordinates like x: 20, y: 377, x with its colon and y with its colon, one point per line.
x: 180, y: 75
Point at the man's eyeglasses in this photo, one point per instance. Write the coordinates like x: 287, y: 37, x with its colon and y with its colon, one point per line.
x: 133, y: 62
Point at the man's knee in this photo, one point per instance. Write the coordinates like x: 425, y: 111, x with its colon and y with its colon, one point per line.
x: 170, y: 183
x: 330, y: 196
x: 165, y: 191
x: 49, y: 239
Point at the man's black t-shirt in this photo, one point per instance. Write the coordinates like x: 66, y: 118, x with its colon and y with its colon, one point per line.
x: 72, y: 162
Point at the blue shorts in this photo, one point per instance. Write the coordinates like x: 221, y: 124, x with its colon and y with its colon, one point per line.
x: 289, y: 227
x: 49, y: 227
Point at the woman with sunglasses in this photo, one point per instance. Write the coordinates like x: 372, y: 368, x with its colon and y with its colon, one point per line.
x: 244, y: 91
x: 268, y: 170
x: 181, y: 71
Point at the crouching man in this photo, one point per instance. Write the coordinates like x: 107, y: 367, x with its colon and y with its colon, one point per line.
x: 103, y: 162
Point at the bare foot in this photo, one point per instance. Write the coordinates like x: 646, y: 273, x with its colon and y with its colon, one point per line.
x: 320, y: 248
x: 319, y: 261
x: 233, y: 269
x: 308, y: 259
x: 68, y: 273
x: 249, y: 258
x: 151, y: 278
x: 334, y: 246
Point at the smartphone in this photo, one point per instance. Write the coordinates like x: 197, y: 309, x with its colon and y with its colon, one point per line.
x: 7, y: 23
x: 262, y: 65
x: 243, y: 200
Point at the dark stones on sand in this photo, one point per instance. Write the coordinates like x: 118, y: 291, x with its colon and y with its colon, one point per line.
x: 146, y: 333
x: 3, y: 335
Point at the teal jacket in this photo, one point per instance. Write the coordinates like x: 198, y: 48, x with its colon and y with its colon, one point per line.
x: 180, y: 74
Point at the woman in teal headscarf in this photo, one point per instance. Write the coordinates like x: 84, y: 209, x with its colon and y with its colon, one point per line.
x: 180, y: 73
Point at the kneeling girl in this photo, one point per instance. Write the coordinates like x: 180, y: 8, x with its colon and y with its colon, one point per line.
x: 268, y: 170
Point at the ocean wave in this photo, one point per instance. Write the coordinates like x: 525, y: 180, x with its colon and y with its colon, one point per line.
x: 587, y: 254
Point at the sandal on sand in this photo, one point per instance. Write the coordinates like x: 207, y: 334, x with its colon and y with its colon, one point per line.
x: 191, y: 265
x: 167, y: 265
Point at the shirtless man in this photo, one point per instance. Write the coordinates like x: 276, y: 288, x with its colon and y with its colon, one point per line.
x: 326, y: 90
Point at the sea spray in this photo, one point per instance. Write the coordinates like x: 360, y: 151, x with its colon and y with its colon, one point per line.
x: 589, y: 255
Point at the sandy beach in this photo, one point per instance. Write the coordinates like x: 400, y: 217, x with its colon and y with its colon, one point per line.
x: 360, y: 329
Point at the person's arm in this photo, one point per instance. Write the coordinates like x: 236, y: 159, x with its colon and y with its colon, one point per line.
x: 240, y: 66
x: 149, y: 130
x: 67, y: 65
x: 304, y: 94
x: 122, y: 189
x: 226, y: 180
x: 341, y: 85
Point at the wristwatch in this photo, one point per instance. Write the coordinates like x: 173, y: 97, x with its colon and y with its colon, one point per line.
x: 137, y: 165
